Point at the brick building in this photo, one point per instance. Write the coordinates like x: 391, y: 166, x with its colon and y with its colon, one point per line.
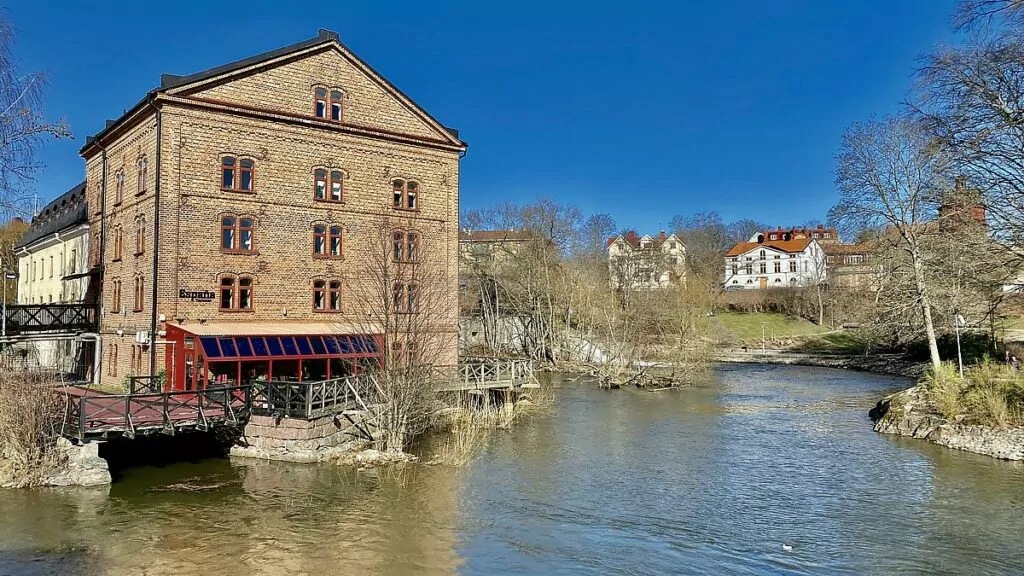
x: 235, y: 215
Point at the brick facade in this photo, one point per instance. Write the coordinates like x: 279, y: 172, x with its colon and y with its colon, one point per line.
x: 383, y: 136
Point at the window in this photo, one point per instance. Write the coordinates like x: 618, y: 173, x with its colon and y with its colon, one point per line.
x: 748, y: 268
x: 735, y: 269
x: 320, y: 102
x: 405, y: 194
x: 140, y: 285
x: 118, y: 244
x: 764, y: 267
x: 319, y: 240
x: 335, y: 241
x: 236, y: 293
x: 115, y: 296
x: 792, y: 265
x: 112, y: 360
x: 336, y: 97
x: 761, y: 255
x: 774, y: 236
x: 143, y: 173
x: 328, y: 189
x: 118, y: 187
x: 327, y: 241
x: 778, y: 267
x: 327, y: 296
x: 236, y: 174
x: 73, y: 263
x: 140, y: 235
x: 236, y: 234
x: 51, y: 266
x: 856, y: 259
x: 406, y: 297
x: 405, y: 246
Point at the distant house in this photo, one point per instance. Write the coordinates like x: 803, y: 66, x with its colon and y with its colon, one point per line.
x: 819, y: 233
x: 793, y: 258
x: 850, y: 265
x: 638, y: 262
x: 491, y: 246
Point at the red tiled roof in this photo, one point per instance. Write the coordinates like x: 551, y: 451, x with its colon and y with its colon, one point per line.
x: 633, y: 239
x: 784, y: 245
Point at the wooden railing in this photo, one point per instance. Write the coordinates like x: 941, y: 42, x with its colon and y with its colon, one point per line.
x: 130, y: 414
x: 145, y: 384
x: 482, y: 373
x: 306, y: 400
x: 34, y: 318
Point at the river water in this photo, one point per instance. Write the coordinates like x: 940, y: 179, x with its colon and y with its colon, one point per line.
x: 710, y: 480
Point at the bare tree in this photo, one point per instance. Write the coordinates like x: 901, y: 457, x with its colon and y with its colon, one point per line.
x: 888, y: 174
x: 23, y: 127
x: 407, y: 297
x: 973, y: 13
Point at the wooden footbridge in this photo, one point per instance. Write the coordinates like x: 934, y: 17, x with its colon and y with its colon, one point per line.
x: 148, y: 410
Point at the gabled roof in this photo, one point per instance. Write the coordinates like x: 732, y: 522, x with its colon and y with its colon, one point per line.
x: 789, y: 246
x: 63, y: 213
x: 634, y: 239
x: 170, y: 82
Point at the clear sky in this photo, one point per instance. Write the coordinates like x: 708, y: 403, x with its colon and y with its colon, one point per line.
x: 640, y: 109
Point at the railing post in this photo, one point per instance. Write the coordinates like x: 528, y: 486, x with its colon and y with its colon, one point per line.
x: 309, y: 399
x: 81, y: 417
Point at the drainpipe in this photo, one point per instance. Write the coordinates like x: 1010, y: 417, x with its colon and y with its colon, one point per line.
x: 156, y: 239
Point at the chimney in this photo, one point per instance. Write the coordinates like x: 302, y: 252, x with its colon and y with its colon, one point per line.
x: 960, y: 183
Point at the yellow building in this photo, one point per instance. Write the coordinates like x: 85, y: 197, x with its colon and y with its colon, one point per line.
x: 52, y: 253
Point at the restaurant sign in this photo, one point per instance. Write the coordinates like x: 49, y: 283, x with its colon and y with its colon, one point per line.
x: 197, y: 296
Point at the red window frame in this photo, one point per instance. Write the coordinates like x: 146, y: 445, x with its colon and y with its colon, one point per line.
x: 405, y: 195
x: 337, y: 109
x: 334, y: 295
x: 242, y: 291
x: 335, y: 248
x: 226, y: 283
x: 239, y: 226
x: 328, y: 185
x: 320, y: 241
x: 320, y: 184
x: 239, y: 168
x: 319, y: 295
x: 245, y: 293
x: 320, y: 99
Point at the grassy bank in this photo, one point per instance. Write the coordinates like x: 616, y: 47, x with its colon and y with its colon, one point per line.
x: 745, y: 327
x: 989, y: 394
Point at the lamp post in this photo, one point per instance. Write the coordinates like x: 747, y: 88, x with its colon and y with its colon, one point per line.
x: 958, y: 322
x: 763, y: 347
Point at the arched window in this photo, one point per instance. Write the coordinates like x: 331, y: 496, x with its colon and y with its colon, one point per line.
x: 118, y: 243
x: 405, y: 194
x: 119, y: 187
x: 405, y: 296
x: 334, y: 295
x: 320, y: 184
x: 319, y: 240
x: 115, y: 296
x: 237, y: 234
x: 319, y: 295
x: 245, y: 293
x: 227, y: 293
x: 761, y: 255
x: 328, y: 103
x: 143, y: 173
x: 335, y: 241
x: 237, y: 174
x: 320, y: 102
x: 405, y: 246
x: 336, y: 184
x: 140, y: 287
x: 140, y: 235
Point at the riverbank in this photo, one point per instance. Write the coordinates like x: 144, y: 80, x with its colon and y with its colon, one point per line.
x: 911, y: 413
x: 889, y: 364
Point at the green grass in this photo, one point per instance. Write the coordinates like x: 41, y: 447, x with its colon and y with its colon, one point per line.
x: 990, y: 394
x: 844, y: 341
x: 746, y: 327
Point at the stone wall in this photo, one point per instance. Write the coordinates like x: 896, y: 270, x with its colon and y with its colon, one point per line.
x: 294, y: 440
x: 907, y: 413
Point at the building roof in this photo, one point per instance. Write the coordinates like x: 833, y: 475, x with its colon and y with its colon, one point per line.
x: 63, y: 213
x: 843, y: 249
x: 633, y: 239
x: 797, y: 232
x: 791, y: 246
x: 172, y: 81
x: 495, y: 236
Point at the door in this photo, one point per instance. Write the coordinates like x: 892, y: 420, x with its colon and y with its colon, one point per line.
x: 763, y: 282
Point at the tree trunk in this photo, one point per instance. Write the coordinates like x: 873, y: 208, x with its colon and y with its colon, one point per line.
x: 926, y: 308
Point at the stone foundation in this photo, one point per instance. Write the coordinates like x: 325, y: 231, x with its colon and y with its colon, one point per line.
x: 293, y: 440
x: 83, y: 466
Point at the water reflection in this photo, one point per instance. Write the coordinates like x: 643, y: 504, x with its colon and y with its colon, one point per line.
x: 712, y: 479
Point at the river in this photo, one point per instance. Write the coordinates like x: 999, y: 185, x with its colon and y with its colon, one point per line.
x: 714, y: 479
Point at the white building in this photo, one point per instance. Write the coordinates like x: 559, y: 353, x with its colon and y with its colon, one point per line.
x: 789, y: 261
x: 646, y: 261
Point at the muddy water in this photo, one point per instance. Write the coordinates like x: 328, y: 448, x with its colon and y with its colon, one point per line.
x: 710, y: 480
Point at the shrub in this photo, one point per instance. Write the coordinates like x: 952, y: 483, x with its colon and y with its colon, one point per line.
x: 31, y: 416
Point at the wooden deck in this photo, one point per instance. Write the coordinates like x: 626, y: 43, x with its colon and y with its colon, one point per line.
x: 92, y: 414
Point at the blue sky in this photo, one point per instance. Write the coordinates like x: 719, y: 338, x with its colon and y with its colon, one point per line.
x: 640, y: 109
